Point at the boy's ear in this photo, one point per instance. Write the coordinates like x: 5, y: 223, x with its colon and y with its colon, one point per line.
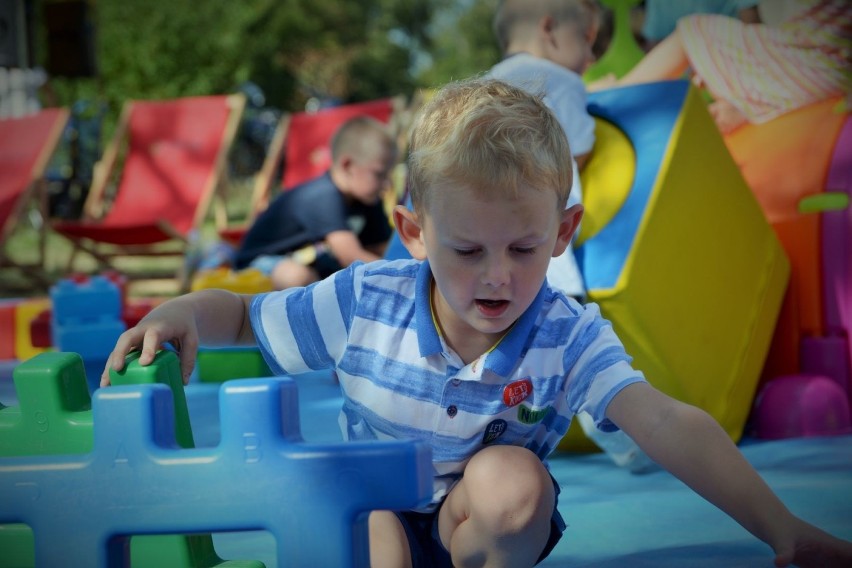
x: 410, y: 232
x: 546, y: 25
x: 344, y: 163
x: 571, y: 218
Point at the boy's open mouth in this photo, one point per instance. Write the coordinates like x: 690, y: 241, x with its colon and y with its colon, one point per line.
x: 492, y: 307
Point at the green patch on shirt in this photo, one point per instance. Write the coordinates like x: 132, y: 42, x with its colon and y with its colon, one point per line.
x: 527, y: 415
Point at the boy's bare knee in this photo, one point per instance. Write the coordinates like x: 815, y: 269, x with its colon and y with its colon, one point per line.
x: 290, y: 274
x: 509, y: 487
x: 388, y: 542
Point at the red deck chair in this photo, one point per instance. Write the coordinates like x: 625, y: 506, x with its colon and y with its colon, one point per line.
x: 26, y: 145
x: 301, y: 142
x: 175, y: 153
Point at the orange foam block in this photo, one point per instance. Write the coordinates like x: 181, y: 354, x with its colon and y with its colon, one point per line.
x: 785, y: 161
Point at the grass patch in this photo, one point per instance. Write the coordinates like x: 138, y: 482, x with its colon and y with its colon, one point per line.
x: 148, y: 275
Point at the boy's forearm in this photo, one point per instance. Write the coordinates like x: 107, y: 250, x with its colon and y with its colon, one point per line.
x: 221, y: 317
x: 697, y: 450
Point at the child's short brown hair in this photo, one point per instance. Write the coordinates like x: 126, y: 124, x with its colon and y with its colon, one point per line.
x: 489, y: 136
x: 361, y: 136
x: 519, y: 16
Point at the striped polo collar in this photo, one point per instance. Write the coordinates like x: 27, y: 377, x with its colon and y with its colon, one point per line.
x: 503, y: 358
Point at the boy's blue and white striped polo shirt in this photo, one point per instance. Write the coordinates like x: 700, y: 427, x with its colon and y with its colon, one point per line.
x: 372, y: 324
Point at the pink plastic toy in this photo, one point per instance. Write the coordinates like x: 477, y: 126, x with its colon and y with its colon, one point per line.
x: 801, y: 406
x: 837, y: 259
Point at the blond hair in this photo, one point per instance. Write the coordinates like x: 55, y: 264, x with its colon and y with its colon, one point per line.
x: 491, y: 137
x: 514, y: 17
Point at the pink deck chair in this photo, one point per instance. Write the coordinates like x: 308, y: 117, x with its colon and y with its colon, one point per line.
x: 26, y: 145
x: 301, y: 146
x: 174, y: 158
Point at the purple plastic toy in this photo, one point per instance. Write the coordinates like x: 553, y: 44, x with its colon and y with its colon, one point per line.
x: 795, y: 406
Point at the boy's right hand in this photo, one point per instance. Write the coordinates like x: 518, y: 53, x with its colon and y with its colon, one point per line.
x: 170, y: 322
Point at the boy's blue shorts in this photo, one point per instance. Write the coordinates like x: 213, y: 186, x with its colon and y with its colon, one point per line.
x: 426, y: 548
x: 324, y: 263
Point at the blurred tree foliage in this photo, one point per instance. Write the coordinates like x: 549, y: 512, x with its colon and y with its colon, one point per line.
x: 347, y: 50
x: 463, y: 43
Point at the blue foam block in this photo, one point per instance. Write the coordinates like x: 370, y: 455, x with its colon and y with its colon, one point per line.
x: 646, y: 114
x: 82, y: 301
x: 94, y: 339
x: 313, y: 498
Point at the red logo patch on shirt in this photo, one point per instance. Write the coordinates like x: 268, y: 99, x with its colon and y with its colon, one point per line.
x: 517, y: 392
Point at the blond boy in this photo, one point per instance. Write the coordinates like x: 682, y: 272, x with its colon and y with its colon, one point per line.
x: 466, y: 348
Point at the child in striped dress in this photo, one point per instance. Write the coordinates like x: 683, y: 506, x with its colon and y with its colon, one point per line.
x: 756, y: 72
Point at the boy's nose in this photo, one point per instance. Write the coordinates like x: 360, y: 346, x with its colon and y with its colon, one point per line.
x: 497, y: 272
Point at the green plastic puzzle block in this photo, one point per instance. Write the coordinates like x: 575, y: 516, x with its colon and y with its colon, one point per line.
x: 220, y: 365
x: 54, y: 416
x: 164, y: 369
x: 17, y: 546
x: 54, y: 412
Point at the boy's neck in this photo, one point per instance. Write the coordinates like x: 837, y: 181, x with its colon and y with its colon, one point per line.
x: 469, y: 347
x: 338, y: 178
x: 511, y: 54
x: 527, y: 47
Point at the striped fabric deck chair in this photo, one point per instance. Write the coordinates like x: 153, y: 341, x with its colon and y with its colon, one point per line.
x: 157, y: 179
x: 26, y: 146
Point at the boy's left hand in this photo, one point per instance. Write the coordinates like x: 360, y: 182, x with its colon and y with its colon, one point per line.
x: 811, y: 547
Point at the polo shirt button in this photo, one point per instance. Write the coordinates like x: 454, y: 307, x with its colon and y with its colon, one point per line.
x: 456, y: 382
x: 452, y: 410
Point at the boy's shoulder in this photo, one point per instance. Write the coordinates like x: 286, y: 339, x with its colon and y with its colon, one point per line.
x: 316, y: 190
x: 528, y: 67
x: 555, y: 300
x: 392, y: 268
x: 385, y: 274
x: 560, y: 314
x: 381, y: 283
x: 320, y: 185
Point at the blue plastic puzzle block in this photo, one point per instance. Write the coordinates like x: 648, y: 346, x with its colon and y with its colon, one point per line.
x: 93, y: 340
x: 54, y: 416
x: 85, y: 300
x: 313, y: 498
x: 93, y: 343
x: 86, y: 319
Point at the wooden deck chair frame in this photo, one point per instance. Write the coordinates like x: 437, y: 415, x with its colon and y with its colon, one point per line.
x: 32, y: 189
x: 275, y: 161
x: 262, y: 183
x: 173, y: 242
